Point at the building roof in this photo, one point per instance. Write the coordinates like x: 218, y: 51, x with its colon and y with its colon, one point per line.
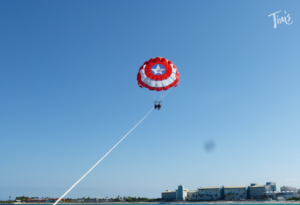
x: 193, y: 191
x: 168, y: 191
x: 258, y: 186
x: 216, y: 187
x: 235, y: 187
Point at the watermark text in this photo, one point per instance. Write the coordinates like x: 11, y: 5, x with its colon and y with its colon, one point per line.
x: 284, y: 18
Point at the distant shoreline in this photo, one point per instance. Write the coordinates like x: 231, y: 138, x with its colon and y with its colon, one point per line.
x: 221, y: 202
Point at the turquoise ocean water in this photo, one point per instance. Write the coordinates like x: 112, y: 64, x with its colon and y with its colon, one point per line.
x: 248, y: 203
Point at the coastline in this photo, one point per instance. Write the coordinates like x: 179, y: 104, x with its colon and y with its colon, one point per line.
x: 221, y: 202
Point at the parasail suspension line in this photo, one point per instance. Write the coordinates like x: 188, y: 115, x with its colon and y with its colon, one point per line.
x: 170, y: 90
x: 101, y: 158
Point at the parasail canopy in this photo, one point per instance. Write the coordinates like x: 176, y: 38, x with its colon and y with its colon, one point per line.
x: 158, y: 74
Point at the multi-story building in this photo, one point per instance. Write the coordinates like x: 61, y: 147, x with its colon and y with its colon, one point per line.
x: 211, y: 193
x: 220, y: 193
x: 257, y: 191
x: 236, y: 192
x: 288, y: 188
x: 272, y: 186
x: 282, y: 195
x: 206, y: 194
x: 180, y: 194
x: 192, y: 195
x: 168, y: 195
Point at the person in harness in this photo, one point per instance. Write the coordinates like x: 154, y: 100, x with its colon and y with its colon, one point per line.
x: 157, y: 104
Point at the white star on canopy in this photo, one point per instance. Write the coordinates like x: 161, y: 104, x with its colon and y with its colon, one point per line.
x: 158, y: 69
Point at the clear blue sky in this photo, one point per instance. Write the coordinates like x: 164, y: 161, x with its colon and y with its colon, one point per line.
x: 68, y: 93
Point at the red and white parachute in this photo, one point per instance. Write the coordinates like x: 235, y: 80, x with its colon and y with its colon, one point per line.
x: 158, y: 74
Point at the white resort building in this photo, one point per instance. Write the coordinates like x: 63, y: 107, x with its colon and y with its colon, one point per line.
x: 235, y: 192
x: 206, y: 194
x: 220, y: 193
x: 282, y: 195
x: 168, y: 195
x: 257, y: 191
x: 210, y: 193
x: 288, y: 188
x: 180, y: 194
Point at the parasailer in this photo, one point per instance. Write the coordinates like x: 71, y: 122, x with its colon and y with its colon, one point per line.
x: 158, y: 74
x: 157, y: 104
